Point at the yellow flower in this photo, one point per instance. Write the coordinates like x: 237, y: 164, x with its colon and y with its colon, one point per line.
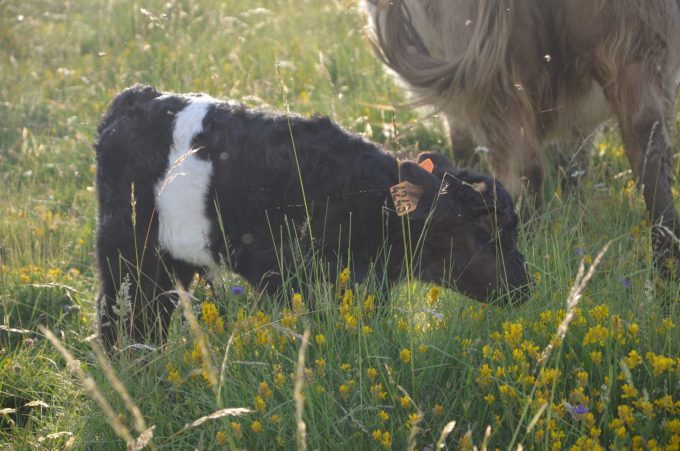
x: 628, y: 391
x: 625, y: 413
x: 279, y: 379
x: 196, y: 355
x: 347, y: 302
x: 369, y: 305
x: 221, y: 438
x: 633, y: 359
x: 402, y: 325
x: 413, y: 419
x: 490, y: 399
x: 660, y: 364
x: 260, y: 404
x: 344, y: 391
x: 275, y: 419
x: 438, y: 409
x: 405, y: 355
x: 351, y: 322
x: 549, y: 376
x: 484, y: 377
x: 673, y: 426
x: 596, y: 335
x: 599, y: 312
x: 298, y: 304
x: 596, y: 357
x: 372, y: 373
x: 345, y: 367
x: 264, y: 390
x: 422, y: 349
x: 512, y: 333
x: 320, y: 339
x: 366, y: 330
x: 236, y: 429
x: 537, y: 277
x: 582, y: 378
x: 404, y: 402
x: 173, y: 375
x: 343, y: 278
x: 256, y: 426
x: 386, y: 441
x: 384, y: 416
x: 377, y: 435
x: 507, y: 390
x: 320, y: 365
x: 211, y: 317
x: 432, y: 295
x: 518, y: 355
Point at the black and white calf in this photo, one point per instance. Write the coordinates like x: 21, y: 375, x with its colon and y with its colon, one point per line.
x: 187, y: 182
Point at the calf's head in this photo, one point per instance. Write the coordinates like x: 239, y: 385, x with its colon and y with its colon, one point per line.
x: 469, y: 240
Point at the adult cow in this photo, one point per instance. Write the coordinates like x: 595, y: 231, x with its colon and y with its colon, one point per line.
x: 187, y: 182
x: 517, y: 72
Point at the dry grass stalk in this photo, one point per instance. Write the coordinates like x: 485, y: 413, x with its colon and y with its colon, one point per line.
x: 233, y: 412
x: 223, y: 367
x: 142, y: 441
x: 441, y: 443
x: 487, y: 437
x: 102, y: 359
x: 572, y: 301
x: 301, y: 431
x: 91, y: 387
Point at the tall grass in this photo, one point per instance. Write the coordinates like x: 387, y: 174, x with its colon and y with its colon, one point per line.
x: 373, y: 376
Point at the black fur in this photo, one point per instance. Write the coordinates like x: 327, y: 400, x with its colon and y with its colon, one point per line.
x: 468, y: 238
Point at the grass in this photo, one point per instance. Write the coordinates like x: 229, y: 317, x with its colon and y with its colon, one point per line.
x: 370, y: 379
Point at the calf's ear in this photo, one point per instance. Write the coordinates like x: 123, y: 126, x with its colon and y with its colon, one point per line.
x: 438, y: 162
x: 416, y: 193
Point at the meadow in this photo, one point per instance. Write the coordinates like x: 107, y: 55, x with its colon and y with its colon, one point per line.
x: 429, y: 368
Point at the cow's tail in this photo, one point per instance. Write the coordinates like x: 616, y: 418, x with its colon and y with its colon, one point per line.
x: 476, y: 72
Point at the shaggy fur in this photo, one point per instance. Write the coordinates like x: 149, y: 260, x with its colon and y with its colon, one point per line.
x: 516, y: 73
x: 186, y: 183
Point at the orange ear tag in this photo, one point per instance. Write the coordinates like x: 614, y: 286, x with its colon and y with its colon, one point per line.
x: 406, y: 196
x: 428, y: 165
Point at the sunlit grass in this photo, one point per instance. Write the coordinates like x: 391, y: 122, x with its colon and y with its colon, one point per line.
x: 375, y: 376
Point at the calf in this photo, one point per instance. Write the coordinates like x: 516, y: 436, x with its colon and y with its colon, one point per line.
x: 515, y: 73
x: 187, y: 183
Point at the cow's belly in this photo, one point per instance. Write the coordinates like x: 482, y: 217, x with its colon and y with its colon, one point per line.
x: 581, y: 115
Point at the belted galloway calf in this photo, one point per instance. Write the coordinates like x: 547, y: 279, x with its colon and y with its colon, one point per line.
x: 515, y: 73
x: 187, y: 184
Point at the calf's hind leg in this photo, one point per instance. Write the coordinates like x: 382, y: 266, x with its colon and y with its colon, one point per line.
x: 138, y: 293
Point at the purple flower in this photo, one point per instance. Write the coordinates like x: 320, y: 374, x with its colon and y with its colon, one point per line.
x: 237, y: 290
x: 579, y: 251
x: 624, y: 281
x: 579, y: 410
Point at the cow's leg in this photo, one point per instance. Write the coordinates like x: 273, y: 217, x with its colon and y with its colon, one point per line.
x: 515, y: 156
x: 462, y: 145
x: 642, y: 102
x: 572, y: 158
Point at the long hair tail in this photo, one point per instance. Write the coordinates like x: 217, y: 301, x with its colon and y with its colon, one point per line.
x: 476, y: 72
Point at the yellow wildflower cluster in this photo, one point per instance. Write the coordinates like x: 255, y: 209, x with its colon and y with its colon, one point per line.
x: 36, y: 274
x: 383, y: 438
x: 211, y: 317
